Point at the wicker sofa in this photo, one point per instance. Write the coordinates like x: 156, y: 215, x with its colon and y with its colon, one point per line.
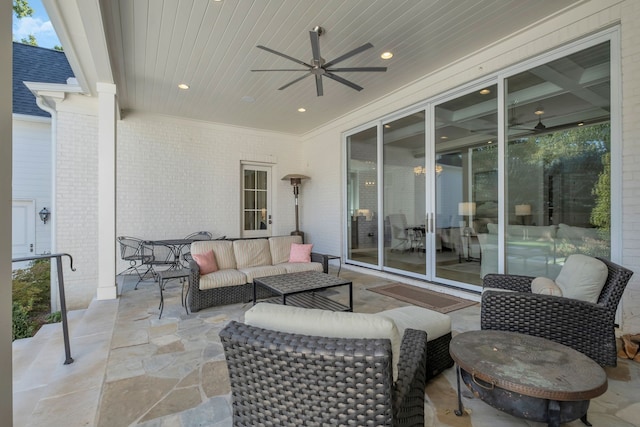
x: 239, y: 262
x: 286, y: 378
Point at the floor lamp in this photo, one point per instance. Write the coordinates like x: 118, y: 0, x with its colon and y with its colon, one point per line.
x: 467, y: 209
x: 296, y: 182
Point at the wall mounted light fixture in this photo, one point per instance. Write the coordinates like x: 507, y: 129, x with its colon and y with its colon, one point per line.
x: 44, y: 215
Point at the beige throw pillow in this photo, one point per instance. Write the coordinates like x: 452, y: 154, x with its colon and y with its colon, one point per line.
x: 582, y: 277
x: 545, y: 286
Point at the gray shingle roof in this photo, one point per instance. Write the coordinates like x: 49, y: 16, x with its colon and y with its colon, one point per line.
x: 35, y: 64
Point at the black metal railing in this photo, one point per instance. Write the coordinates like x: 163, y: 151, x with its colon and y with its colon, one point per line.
x: 63, y: 304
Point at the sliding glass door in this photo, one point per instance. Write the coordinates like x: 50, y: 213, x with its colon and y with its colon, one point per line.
x: 404, y: 195
x: 509, y: 176
x: 466, y: 187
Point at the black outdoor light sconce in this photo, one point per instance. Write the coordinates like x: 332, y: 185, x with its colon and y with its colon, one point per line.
x: 44, y: 215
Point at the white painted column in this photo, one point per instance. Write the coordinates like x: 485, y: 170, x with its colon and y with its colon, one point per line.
x: 107, y: 288
x: 6, y: 56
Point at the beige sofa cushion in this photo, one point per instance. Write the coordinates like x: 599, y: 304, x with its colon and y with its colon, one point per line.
x: 222, y: 278
x: 324, y: 323
x: 294, y: 267
x: 251, y: 252
x: 222, y: 249
x: 280, y: 247
x: 262, y: 271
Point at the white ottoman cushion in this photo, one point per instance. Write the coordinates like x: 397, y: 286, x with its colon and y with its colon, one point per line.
x: 433, y: 323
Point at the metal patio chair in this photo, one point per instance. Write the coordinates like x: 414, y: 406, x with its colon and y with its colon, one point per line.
x: 131, y: 250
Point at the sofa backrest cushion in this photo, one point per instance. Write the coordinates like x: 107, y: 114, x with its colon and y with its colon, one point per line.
x: 222, y: 249
x: 582, y: 277
x: 281, y: 247
x: 325, y: 323
x: 252, y: 252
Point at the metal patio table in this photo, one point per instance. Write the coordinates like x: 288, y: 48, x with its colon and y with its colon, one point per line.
x: 301, y: 289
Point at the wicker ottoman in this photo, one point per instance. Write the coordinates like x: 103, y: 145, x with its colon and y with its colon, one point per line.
x: 438, y: 329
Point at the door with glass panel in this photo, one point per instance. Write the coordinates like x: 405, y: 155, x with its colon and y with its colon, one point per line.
x: 256, y: 201
x: 405, y: 174
x: 466, y: 183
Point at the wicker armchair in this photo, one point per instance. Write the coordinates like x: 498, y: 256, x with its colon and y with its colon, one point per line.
x: 288, y: 379
x: 584, y: 326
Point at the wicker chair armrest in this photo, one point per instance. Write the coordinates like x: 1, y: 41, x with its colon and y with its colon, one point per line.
x: 321, y: 258
x: 412, y: 377
x: 511, y: 282
x: 584, y: 326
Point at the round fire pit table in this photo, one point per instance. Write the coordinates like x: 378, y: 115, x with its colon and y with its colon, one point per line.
x: 526, y: 376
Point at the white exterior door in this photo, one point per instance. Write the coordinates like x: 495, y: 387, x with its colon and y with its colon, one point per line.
x: 256, y: 201
x: 23, y: 230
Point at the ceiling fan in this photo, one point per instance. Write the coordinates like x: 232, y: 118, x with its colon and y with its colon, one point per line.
x: 318, y: 67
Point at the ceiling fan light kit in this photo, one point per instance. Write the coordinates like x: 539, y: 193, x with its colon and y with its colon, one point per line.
x: 318, y: 67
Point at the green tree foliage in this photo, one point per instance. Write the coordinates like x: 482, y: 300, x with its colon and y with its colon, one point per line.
x: 600, y: 215
x: 31, y: 298
x: 31, y: 40
x: 22, y: 9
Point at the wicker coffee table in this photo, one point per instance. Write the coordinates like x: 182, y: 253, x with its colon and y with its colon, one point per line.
x: 301, y: 290
x: 527, y: 376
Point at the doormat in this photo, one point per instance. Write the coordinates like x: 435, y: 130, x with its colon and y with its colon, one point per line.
x: 432, y: 300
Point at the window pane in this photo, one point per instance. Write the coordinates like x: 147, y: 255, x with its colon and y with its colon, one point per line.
x: 249, y: 179
x: 261, y: 180
x: 249, y: 200
x: 404, y: 193
x: 362, y: 197
x: 558, y: 163
x: 467, y: 185
x: 250, y: 221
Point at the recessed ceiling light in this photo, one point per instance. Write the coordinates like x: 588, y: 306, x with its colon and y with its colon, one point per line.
x: 444, y: 137
x: 183, y: 86
x: 581, y: 124
x: 302, y: 110
x: 387, y: 126
x: 386, y: 55
x: 485, y: 92
x: 248, y: 99
x: 489, y: 142
x: 539, y: 110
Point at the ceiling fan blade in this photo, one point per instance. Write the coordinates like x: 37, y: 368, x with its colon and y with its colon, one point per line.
x: 356, y: 69
x: 284, y: 69
x: 275, y: 52
x: 319, y: 85
x: 315, y: 46
x: 348, y: 54
x: 294, y: 81
x: 344, y: 81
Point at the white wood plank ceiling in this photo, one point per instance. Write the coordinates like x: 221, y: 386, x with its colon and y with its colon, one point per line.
x: 156, y: 44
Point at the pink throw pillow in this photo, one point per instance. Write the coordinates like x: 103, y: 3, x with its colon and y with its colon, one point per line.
x: 300, y: 252
x: 206, y: 262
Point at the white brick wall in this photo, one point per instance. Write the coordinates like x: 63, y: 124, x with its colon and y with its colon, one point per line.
x: 75, y: 213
